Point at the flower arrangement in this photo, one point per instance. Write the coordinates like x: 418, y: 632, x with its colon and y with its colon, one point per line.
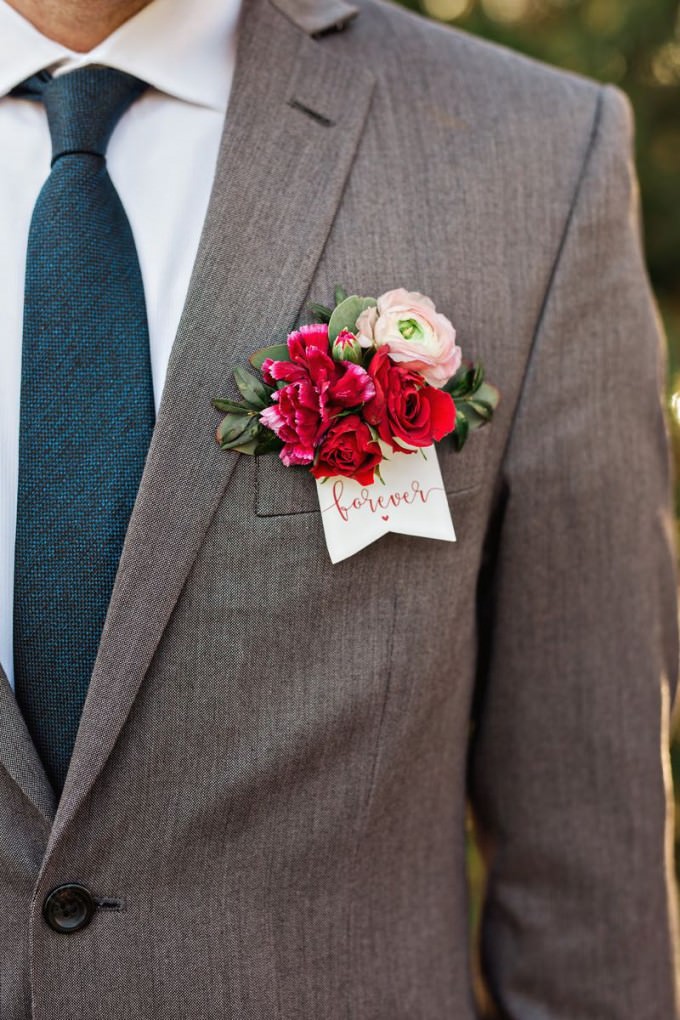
x: 370, y: 378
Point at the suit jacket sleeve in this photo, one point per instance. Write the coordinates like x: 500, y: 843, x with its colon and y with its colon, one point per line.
x: 569, y: 766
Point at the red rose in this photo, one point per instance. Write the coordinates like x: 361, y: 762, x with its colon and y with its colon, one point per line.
x: 405, y: 407
x: 348, y: 449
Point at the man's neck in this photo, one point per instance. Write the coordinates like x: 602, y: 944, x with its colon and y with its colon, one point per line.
x: 78, y: 24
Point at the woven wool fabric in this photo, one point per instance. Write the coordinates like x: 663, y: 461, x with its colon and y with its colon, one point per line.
x: 86, y: 407
x: 267, y: 794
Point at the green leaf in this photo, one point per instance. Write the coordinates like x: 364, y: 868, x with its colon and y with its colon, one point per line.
x: 478, y: 376
x: 489, y: 395
x: 264, y: 441
x: 474, y: 419
x: 480, y: 408
x: 277, y: 352
x: 232, y: 428
x: 228, y: 406
x: 468, y: 383
x: 346, y: 314
x: 238, y: 439
x: 321, y: 313
x: 268, y: 441
x: 249, y: 448
x: 462, y: 429
x: 340, y: 295
x: 251, y: 389
x: 476, y: 414
x: 460, y: 385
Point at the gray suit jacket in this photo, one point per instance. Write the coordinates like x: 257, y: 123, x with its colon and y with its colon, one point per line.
x: 267, y: 793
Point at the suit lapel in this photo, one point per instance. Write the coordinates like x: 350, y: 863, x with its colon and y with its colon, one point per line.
x: 292, y: 128
x: 19, y: 757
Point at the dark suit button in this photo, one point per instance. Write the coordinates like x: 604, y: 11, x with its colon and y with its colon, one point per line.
x: 68, y: 908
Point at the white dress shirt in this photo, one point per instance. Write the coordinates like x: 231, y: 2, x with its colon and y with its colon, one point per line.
x: 161, y: 158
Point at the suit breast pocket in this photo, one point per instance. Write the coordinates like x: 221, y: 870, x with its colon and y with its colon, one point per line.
x: 282, y: 491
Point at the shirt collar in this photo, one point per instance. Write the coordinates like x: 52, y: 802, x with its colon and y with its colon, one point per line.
x: 184, y: 49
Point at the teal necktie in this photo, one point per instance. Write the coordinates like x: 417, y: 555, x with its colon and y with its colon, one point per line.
x: 87, y: 408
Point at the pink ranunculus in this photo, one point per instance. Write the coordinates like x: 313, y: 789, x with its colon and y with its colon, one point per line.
x: 417, y: 335
x: 316, y: 390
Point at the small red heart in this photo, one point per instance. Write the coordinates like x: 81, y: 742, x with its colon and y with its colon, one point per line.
x: 386, y: 517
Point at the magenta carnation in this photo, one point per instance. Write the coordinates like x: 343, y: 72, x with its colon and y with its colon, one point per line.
x: 316, y: 390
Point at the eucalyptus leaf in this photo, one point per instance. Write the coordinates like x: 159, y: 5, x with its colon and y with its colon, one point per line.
x: 233, y: 439
x: 265, y: 441
x: 489, y: 394
x: 346, y: 314
x: 249, y: 448
x: 480, y: 408
x: 473, y: 418
x: 228, y: 406
x: 277, y: 352
x: 232, y: 427
x: 251, y: 389
x: 340, y: 295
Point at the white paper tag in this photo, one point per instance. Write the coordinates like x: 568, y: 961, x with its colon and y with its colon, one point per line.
x: 412, y: 501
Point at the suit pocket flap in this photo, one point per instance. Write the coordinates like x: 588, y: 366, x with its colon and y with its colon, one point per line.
x: 282, y: 491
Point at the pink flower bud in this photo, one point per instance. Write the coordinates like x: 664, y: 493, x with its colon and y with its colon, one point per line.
x: 346, y: 347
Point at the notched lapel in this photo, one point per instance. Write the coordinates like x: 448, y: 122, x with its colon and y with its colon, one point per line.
x: 318, y: 16
x: 293, y: 125
x: 19, y: 757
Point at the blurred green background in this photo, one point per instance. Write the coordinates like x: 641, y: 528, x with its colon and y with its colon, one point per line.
x: 634, y: 44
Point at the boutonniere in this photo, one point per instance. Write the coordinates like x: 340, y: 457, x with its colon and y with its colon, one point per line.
x: 349, y: 394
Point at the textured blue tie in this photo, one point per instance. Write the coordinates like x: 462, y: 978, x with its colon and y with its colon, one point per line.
x: 87, y: 409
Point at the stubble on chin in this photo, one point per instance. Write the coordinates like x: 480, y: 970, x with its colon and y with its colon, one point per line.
x: 78, y: 24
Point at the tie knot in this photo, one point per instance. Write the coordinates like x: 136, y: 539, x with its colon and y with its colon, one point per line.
x: 83, y: 106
